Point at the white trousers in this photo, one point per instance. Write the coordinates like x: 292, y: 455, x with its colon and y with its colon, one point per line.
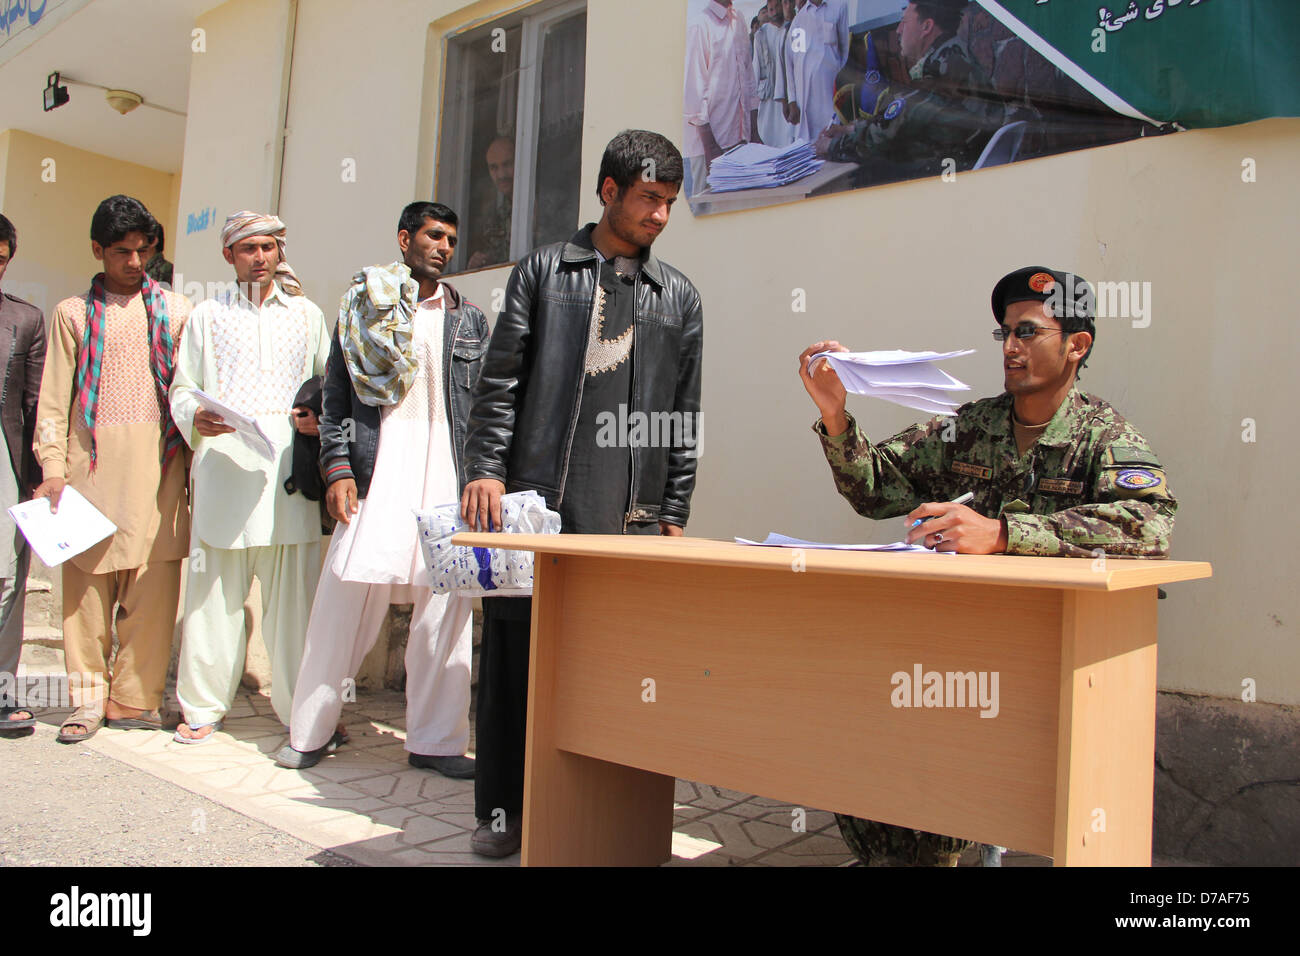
x: 345, y: 622
x: 214, y: 640
x: 772, y: 126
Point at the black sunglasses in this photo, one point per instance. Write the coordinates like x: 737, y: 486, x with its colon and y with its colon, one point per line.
x: 1023, y: 331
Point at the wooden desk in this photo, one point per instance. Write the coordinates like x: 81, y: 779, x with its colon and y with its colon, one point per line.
x: 776, y: 681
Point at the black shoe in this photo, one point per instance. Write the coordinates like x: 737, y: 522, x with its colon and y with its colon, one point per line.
x: 489, y: 842
x: 302, y: 759
x: 456, y: 767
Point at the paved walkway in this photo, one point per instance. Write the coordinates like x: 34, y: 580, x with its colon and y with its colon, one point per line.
x: 365, y: 803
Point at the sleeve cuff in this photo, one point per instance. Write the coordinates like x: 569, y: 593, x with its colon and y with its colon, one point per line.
x: 54, y: 469
x: 851, y: 436
x: 337, y: 470
x: 1022, y: 530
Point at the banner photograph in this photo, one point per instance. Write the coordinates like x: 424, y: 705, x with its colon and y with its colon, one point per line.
x: 787, y: 99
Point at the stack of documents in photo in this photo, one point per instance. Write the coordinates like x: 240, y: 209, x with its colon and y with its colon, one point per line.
x: 755, y: 166
x: 904, y: 378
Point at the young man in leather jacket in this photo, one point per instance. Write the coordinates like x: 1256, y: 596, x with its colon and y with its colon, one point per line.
x: 597, y: 339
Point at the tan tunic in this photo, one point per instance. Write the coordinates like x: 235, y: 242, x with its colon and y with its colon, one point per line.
x: 150, y: 509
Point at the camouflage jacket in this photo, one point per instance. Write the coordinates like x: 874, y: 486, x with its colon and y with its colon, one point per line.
x: 1090, y: 481
x: 948, y: 110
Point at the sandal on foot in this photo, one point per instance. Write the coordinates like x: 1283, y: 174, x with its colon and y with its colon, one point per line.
x: 22, y: 723
x: 193, y: 741
x: 149, y: 720
x: 89, y: 719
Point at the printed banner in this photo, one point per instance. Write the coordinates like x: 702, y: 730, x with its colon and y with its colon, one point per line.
x: 787, y: 99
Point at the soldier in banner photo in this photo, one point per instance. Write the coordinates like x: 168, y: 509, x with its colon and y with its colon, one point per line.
x: 947, y: 111
x: 1053, y: 470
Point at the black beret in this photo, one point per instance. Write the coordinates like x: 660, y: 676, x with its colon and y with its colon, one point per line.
x: 1070, y: 293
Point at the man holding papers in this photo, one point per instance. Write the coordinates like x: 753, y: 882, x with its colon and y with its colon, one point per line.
x: 250, y: 349
x: 1053, y: 470
x: 104, y: 427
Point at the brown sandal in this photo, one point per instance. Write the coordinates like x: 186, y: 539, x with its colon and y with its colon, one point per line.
x: 88, y: 718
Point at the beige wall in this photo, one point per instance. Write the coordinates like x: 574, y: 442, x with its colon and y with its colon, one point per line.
x: 53, y: 218
x: 905, y: 266
x: 231, y: 136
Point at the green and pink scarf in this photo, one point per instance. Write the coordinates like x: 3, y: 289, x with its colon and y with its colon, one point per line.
x: 91, y: 357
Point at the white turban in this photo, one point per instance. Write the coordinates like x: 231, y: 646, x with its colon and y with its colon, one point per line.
x: 243, y: 224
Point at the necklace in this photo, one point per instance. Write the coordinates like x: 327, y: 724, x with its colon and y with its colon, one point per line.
x: 1017, y: 420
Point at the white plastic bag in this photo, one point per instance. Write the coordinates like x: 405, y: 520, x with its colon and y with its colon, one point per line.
x: 491, y: 572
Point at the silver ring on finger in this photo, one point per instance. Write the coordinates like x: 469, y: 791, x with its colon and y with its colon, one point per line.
x: 938, y: 536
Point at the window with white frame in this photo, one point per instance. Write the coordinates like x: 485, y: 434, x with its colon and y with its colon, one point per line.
x: 510, y: 131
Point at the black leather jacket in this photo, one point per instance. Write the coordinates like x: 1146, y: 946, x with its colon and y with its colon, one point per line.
x: 528, y: 395
x: 349, y: 428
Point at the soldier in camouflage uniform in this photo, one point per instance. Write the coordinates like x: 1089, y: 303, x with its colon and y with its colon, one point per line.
x: 1054, y: 470
x: 948, y: 110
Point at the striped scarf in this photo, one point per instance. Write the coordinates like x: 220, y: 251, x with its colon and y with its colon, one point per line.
x: 376, y: 326
x: 90, y: 361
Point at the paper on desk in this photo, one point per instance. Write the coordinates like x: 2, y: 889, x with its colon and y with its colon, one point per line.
x: 774, y: 540
x: 247, y: 430
x: 904, y: 378
x: 55, y: 537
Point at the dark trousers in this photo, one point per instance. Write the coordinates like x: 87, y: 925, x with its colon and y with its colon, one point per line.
x: 502, y: 706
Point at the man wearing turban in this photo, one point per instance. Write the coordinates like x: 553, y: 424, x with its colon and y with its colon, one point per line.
x: 246, y: 350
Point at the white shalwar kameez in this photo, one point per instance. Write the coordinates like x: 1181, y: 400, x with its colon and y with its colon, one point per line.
x: 243, y: 524
x: 375, y: 561
x: 773, y: 129
x: 818, y: 53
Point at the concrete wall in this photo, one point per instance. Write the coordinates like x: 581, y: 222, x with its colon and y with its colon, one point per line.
x: 904, y: 266
x: 53, y: 218
x: 231, y: 138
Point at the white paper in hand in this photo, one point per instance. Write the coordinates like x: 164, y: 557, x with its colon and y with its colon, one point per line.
x: 247, y: 430
x: 903, y: 378
x: 55, y: 537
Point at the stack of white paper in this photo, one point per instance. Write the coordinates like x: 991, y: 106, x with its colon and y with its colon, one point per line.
x: 755, y: 166
x: 904, y: 378
x: 774, y: 540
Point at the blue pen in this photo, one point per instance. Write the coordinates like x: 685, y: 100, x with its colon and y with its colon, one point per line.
x: 956, y: 501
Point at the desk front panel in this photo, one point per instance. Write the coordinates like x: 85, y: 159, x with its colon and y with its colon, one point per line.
x: 787, y: 684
